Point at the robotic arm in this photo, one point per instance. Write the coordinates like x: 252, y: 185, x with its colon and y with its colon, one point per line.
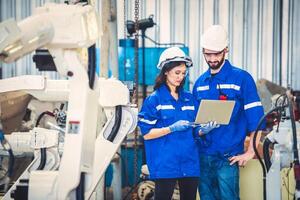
x: 283, y: 137
x: 88, y: 147
x: 57, y: 27
x: 60, y: 28
x: 20, y: 39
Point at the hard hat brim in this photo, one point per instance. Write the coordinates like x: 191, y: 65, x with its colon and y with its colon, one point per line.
x: 186, y: 59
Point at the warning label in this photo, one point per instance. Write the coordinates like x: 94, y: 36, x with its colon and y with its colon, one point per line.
x: 74, y: 127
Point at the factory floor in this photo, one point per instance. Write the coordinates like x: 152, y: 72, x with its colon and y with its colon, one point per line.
x: 251, y: 184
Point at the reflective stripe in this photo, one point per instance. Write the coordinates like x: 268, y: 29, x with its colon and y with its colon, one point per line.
x: 251, y: 105
x: 203, y: 88
x: 187, y: 108
x: 147, y: 121
x: 228, y: 86
x: 165, y: 107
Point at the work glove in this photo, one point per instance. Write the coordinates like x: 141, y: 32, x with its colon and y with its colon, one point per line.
x: 206, y: 128
x: 180, y: 125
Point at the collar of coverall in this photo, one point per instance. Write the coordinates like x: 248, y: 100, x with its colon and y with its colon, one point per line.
x: 166, y: 95
x: 222, y: 74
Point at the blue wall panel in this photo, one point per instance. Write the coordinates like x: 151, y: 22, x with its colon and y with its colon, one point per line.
x: 126, y: 63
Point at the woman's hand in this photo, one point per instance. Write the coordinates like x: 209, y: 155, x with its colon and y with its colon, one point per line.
x: 180, y: 125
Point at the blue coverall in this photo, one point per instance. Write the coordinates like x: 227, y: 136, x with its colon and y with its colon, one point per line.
x: 219, y: 180
x: 174, y: 155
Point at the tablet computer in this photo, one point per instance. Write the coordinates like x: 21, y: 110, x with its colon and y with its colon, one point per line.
x: 214, y: 110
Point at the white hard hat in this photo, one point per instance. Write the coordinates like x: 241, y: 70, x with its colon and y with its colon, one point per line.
x: 214, y: 38
x: 173, y: 54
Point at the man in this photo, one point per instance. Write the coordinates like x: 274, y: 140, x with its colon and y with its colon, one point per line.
x: 222, y: 149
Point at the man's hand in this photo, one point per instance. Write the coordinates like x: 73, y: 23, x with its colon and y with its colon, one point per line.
x: 242, y: 159
x: 206, y: 128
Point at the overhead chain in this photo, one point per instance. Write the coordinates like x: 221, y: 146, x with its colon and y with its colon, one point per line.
x: 125, y: 37
x: 136, y: 80
x: 125, y: 58
x: 124, y: 19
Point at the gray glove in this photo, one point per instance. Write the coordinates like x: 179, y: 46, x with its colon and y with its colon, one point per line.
x: 180, y: 125
x: 206, y: 128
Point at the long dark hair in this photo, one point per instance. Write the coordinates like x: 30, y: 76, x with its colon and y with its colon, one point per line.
x: 161, y: 78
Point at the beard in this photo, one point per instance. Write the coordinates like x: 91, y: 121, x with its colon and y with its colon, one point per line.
x: 216, y: 65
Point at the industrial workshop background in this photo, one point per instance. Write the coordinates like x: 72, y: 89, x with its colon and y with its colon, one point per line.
x: 263, y: 33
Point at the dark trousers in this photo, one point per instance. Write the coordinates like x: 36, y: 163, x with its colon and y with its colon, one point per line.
x: 164, y: 188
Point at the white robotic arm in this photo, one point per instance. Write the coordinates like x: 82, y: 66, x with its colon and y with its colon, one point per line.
x: 88, y: 148
x: 19, y: 39
x: 53, y: 26
x: 284, y: 138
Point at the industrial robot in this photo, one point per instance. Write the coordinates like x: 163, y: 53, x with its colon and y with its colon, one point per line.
x: 280, y: 147
x: 74, y: 143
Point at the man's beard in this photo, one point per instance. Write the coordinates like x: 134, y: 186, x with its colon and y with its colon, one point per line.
x: 217, y: 65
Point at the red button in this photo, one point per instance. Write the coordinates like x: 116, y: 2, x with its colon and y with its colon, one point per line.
x: 222, y: 97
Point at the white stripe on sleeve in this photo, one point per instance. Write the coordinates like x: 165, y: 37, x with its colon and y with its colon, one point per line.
x: 165, y: 107
x: 187, y: 108
x: 203, y: 88
x: 148, y: 121
x: 251, y: 105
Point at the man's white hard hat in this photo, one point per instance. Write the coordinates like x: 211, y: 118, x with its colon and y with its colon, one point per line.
x: 214, y: 38
x: 173, y: 54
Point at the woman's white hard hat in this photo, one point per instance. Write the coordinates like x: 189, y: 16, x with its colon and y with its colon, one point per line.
x: 173, y: 54
x: 214, y: 38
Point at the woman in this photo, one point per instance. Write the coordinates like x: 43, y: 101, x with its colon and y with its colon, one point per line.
x: 165, y: 121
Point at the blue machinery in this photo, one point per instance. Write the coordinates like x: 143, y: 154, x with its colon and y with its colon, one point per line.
x: 126, y: 62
